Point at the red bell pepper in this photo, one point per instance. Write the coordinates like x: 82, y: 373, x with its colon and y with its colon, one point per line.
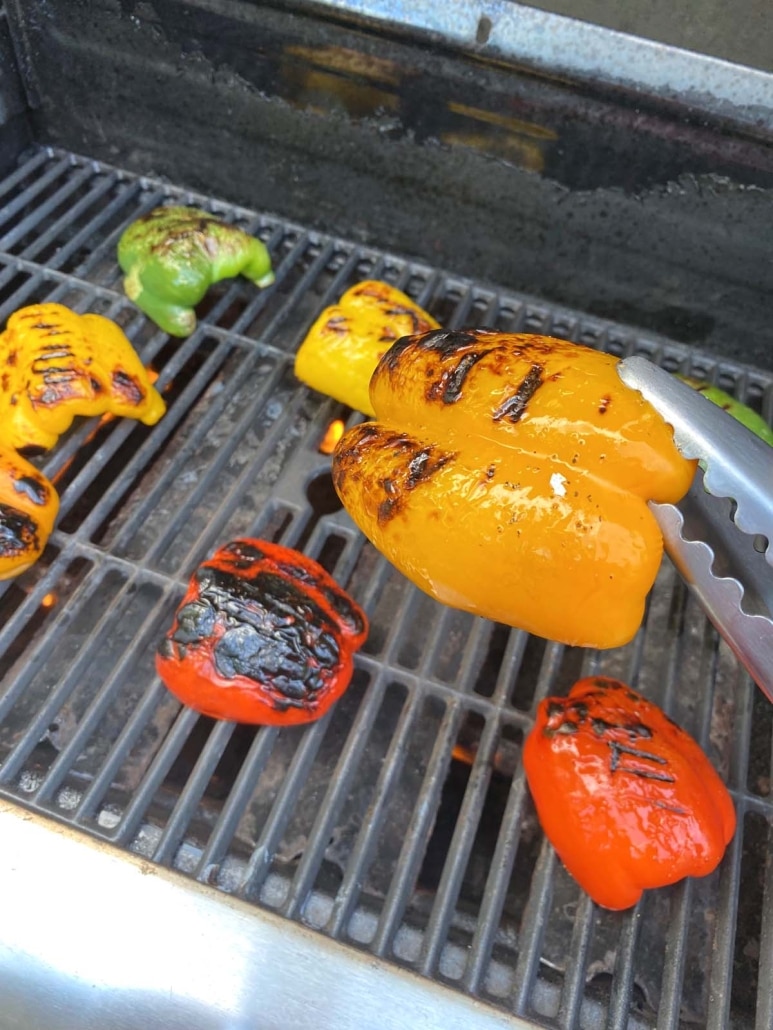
x: 624, y: 795
x: 263, y: 635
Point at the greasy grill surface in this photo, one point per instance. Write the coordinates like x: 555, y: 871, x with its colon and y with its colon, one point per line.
x: 400, y: 822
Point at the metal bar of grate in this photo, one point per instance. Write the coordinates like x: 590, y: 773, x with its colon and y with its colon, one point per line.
x: 724, y: 934
x: 459, y: 852
x: 330, y: 808
x: 624, y: 976
x: 69, y: 682
x: 258, y: 866
x: 96, y: 790
x: 497, y: 884
x: 568, y: 1015
x: 167, y: 753
x: 764, y: 1013
x: 237, y: 801
x: 182, y: 813
x: 417, y: 834
x: 532, y: 928
x: 148, y: 505
x: 9, y: 239
x: 36, y: 187
x: 675, y: 957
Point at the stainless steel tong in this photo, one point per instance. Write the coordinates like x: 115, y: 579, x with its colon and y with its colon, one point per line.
x: 720, y: 536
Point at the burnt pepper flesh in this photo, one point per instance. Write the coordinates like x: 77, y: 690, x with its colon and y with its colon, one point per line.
x: 264, y: 635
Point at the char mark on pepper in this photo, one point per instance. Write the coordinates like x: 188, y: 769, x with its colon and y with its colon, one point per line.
x: 420, y: 468
x: 18, y: 532
x: 620, y: 750
x: 444, y: 342
x: 345, y: 610
x: 337, y: 324
x: 242, y: 549
x: 34, y: 489
x: 127, y: 387
x: 54, y: 373
x: 514, y: 408
x: 274, y: 633
x: 448, y: 388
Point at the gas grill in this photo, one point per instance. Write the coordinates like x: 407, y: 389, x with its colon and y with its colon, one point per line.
x: 383, y: 866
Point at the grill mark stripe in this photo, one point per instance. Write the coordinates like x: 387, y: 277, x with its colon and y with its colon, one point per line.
x: 513, y: 408
x: 449, y: 387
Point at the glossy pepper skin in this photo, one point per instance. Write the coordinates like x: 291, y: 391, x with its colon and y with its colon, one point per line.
x: 625, y: 796
x: 343, y: 347
x: 172, y: 256
x: 56, y: 365
x: 28, y: 508
x: 508, y: 475
x: 263, y: 635
x: 59, y: 364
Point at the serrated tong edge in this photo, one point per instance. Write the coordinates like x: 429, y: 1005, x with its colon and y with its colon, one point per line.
x: 723, y: 551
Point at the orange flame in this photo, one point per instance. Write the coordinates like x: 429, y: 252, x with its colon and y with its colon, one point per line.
x: 333, y: 434
x: 463, y: 754
x: 48, y: 601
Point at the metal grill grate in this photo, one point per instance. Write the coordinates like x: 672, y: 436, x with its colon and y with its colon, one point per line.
x: 399, y: 823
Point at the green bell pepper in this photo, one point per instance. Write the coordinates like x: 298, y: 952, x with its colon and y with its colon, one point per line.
x: 741, y: 412
x: 172, y: 255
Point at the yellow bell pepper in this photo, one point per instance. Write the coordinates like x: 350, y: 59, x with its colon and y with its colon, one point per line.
x: 508, y: 475
x: 29, y: 505
x: 56, y: 365
x: 343, y: 347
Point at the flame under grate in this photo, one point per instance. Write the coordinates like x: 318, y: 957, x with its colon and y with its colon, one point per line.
x: 400, y: 822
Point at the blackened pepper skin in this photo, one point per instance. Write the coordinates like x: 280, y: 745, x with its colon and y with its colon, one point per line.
x: 263, y: 635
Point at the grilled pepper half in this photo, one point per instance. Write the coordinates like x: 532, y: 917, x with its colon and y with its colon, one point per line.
x: 627, y: 798
x: 509, y: 475
x: 172, y: 256
x: 263, y: 635
x: 343, y: 347
x: 56, y: 365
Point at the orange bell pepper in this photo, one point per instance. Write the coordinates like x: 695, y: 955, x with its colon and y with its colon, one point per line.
x: 625, y: 796
x: 508, y: 475
x: 343, y: 347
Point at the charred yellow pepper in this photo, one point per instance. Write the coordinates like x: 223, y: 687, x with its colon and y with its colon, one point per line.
x: 56, y: 365
x: 28, y: 508
x: 344, y: 345
x: 508, y: 475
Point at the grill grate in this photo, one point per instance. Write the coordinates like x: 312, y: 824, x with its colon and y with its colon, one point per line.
x: 400, y: 822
